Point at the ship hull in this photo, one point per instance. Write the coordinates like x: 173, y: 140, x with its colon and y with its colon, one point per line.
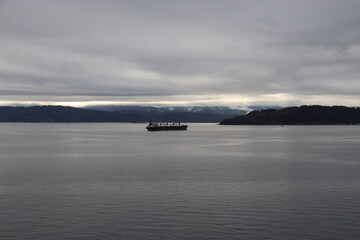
x: 168, y: 128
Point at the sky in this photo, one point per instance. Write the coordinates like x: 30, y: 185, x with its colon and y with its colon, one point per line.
x: 188, y: 52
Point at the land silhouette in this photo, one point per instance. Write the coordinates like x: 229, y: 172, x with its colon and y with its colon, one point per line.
x: 71, y: 114
x: 304, y: 115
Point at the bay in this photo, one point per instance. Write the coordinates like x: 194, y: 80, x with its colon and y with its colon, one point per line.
x: 118, y: 181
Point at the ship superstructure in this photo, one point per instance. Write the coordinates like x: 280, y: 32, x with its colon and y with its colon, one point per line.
x: 166, y: 126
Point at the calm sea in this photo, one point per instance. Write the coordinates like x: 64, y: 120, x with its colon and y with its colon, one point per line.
x: 118, y: 181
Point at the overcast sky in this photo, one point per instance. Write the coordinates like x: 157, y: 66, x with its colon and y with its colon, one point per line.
x: 188, y: 52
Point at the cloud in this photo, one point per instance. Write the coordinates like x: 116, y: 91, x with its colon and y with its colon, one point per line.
x: 221, y: 52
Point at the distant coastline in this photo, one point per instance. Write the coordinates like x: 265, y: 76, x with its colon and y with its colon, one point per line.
x: 62, y: 114
x: 304, y: 115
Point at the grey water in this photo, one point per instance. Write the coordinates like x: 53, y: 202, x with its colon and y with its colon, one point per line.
x: 118, y: 181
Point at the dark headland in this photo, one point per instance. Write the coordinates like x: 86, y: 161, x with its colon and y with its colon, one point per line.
x: 304, y: 115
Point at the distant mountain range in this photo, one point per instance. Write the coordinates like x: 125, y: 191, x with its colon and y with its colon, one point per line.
x: 310, y: 115
x: 304, y: 115
x: 171, y: 109
x: 116, y: 114
x: 222, y: 110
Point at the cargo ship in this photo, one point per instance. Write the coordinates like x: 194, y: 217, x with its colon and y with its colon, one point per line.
x: 166, y: 126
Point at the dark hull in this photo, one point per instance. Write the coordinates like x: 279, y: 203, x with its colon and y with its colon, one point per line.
x: 168, y: 128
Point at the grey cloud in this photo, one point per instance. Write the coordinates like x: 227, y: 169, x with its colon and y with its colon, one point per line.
x: 167, y: 49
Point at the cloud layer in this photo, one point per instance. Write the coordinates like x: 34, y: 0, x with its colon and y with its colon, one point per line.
x: 187, y: 52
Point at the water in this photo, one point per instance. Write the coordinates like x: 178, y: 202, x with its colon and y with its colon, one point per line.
x: 117, y: 181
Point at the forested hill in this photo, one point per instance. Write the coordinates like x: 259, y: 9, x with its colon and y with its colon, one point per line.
x: 70, y: 114
x: 304, y: 115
